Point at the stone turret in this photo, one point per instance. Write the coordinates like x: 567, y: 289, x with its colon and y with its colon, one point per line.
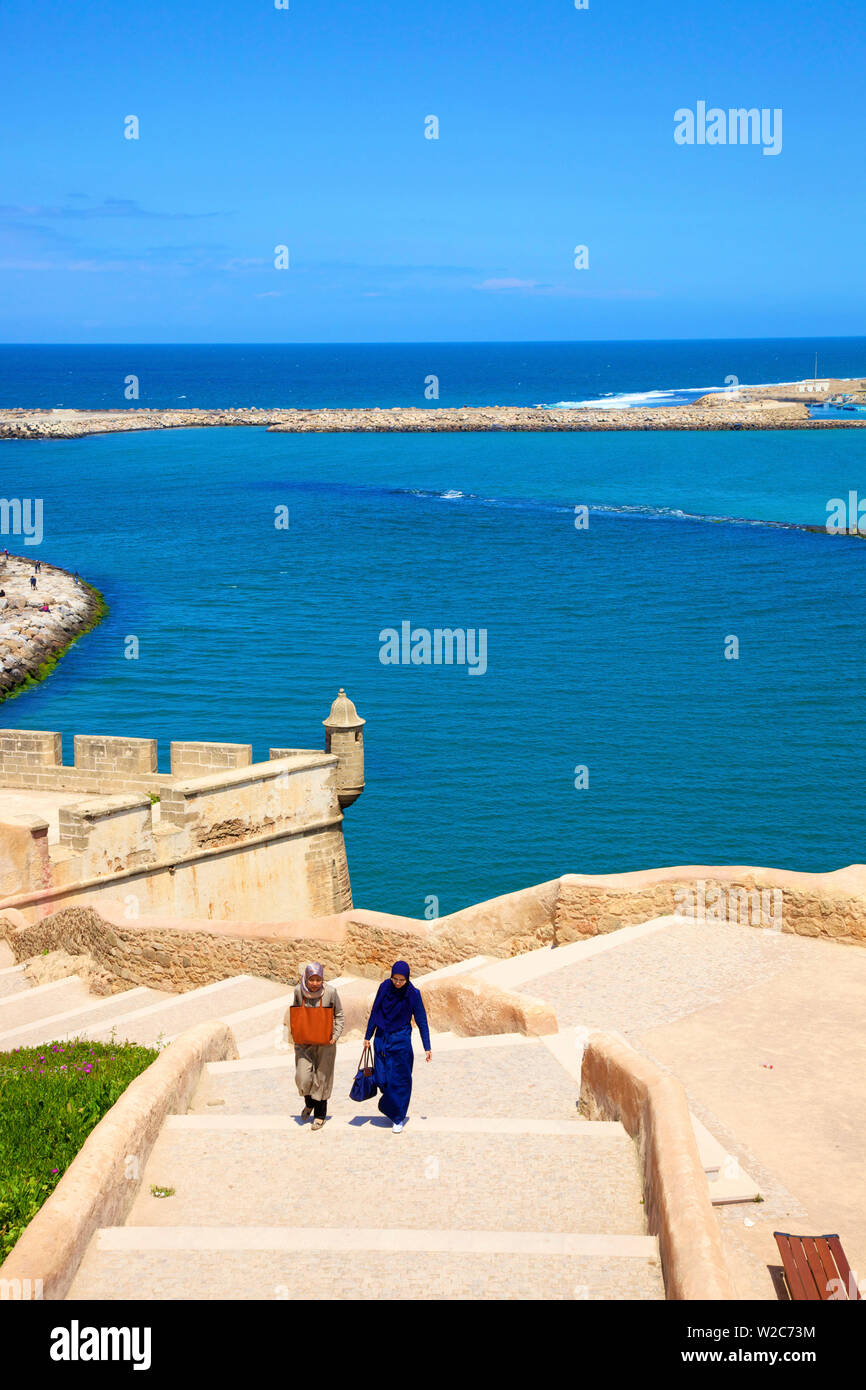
x: 344, y: 735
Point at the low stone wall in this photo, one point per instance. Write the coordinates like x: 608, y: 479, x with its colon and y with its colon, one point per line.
x: 179, y: 954
x: 821, y: 905
x: 618, y: 1083
x: 171, y: 958
x: 98, y: 1188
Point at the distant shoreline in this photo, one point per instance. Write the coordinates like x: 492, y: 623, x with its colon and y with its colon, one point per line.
x: 784, y: 405
x: 491, y: 419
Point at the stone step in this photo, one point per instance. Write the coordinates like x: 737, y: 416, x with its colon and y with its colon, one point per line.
x: 220, y: 1123
x: 22, y: 1006
x: 174, y: 1013
x: 13, y: 980
x: 263, y: 1019
x: 328, y: 1263
x: 75, y: 1022
x: 578, y: 1178
x: 260, y: 1028
x: 265, y: 1047
x: 507, y: 1075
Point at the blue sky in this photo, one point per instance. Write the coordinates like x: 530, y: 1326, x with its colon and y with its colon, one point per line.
x: 262, y: 127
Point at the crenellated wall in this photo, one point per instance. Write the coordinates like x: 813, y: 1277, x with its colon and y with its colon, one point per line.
x: 219, y: 837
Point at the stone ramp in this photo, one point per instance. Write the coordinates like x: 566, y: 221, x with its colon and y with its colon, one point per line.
x: 495, y: 1189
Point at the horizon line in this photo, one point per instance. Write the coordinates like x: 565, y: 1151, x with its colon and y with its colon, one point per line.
x: 445, y: 342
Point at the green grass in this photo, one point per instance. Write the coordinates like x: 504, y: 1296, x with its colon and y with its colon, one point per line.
x: 51, y: 1097
x: 46, y: 667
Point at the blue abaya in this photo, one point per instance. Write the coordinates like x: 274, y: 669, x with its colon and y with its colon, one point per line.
x: 391, y: 1020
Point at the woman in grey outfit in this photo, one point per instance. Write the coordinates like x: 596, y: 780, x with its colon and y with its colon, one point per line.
x: 314, y: 1062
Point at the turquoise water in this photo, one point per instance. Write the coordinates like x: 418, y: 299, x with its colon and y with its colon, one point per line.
x: 604, y: 647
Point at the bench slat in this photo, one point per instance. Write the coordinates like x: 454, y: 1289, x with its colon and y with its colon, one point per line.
x: 801, y: 1260
x: 828, y: 1262
x: 792, y: 1274
x: 843, y: 1266
x: 812, y: 1255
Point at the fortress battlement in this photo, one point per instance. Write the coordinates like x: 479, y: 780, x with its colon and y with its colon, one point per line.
x: 217, y: 837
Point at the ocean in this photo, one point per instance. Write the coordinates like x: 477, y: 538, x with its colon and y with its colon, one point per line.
x: 605, y: 646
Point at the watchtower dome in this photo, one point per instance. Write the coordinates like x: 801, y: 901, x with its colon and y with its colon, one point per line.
x: 344, y: 735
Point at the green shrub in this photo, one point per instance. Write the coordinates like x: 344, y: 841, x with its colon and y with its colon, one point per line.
x: 51, y: 1097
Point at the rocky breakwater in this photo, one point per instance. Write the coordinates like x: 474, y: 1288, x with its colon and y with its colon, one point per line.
x: 31, y: 639
x: 714, y: 412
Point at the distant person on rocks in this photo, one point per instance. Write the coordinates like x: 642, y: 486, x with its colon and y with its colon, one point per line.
x: 75, y: 577
x: 397, y: 1002
x: 33, y: 581
x: 314, y: 1061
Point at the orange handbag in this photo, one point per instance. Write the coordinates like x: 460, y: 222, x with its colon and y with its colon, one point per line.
x: 311, y: 1023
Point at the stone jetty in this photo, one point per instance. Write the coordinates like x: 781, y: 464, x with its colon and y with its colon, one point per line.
x: 748, y: 409
x: 29, y: 637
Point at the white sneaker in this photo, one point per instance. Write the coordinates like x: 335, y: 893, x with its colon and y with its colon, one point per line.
x: 397, y: 1128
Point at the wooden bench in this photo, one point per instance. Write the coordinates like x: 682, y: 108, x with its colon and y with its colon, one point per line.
x: 815, y: 1267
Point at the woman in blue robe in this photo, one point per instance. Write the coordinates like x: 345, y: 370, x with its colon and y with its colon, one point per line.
x: 397, y: 1002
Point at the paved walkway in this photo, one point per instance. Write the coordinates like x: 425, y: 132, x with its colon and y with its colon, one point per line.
x: 765, y: 1030
x: 46, y: 804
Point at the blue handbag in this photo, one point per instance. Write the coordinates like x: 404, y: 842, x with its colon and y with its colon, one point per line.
x: 364, y: 1086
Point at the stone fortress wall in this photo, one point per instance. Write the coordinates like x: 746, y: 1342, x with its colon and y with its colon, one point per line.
x: 218, y: 838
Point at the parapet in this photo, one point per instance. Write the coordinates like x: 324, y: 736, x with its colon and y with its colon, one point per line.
x: 193, y: 759
x: 106, y: 764
x: 218, y: 836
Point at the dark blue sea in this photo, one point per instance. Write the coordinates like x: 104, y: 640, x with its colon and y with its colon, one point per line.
x: 605, y: 647
x: 380, y: 374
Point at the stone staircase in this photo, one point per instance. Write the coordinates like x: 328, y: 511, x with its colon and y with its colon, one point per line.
x: 495, y: 1189
x: 66, y: 1009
